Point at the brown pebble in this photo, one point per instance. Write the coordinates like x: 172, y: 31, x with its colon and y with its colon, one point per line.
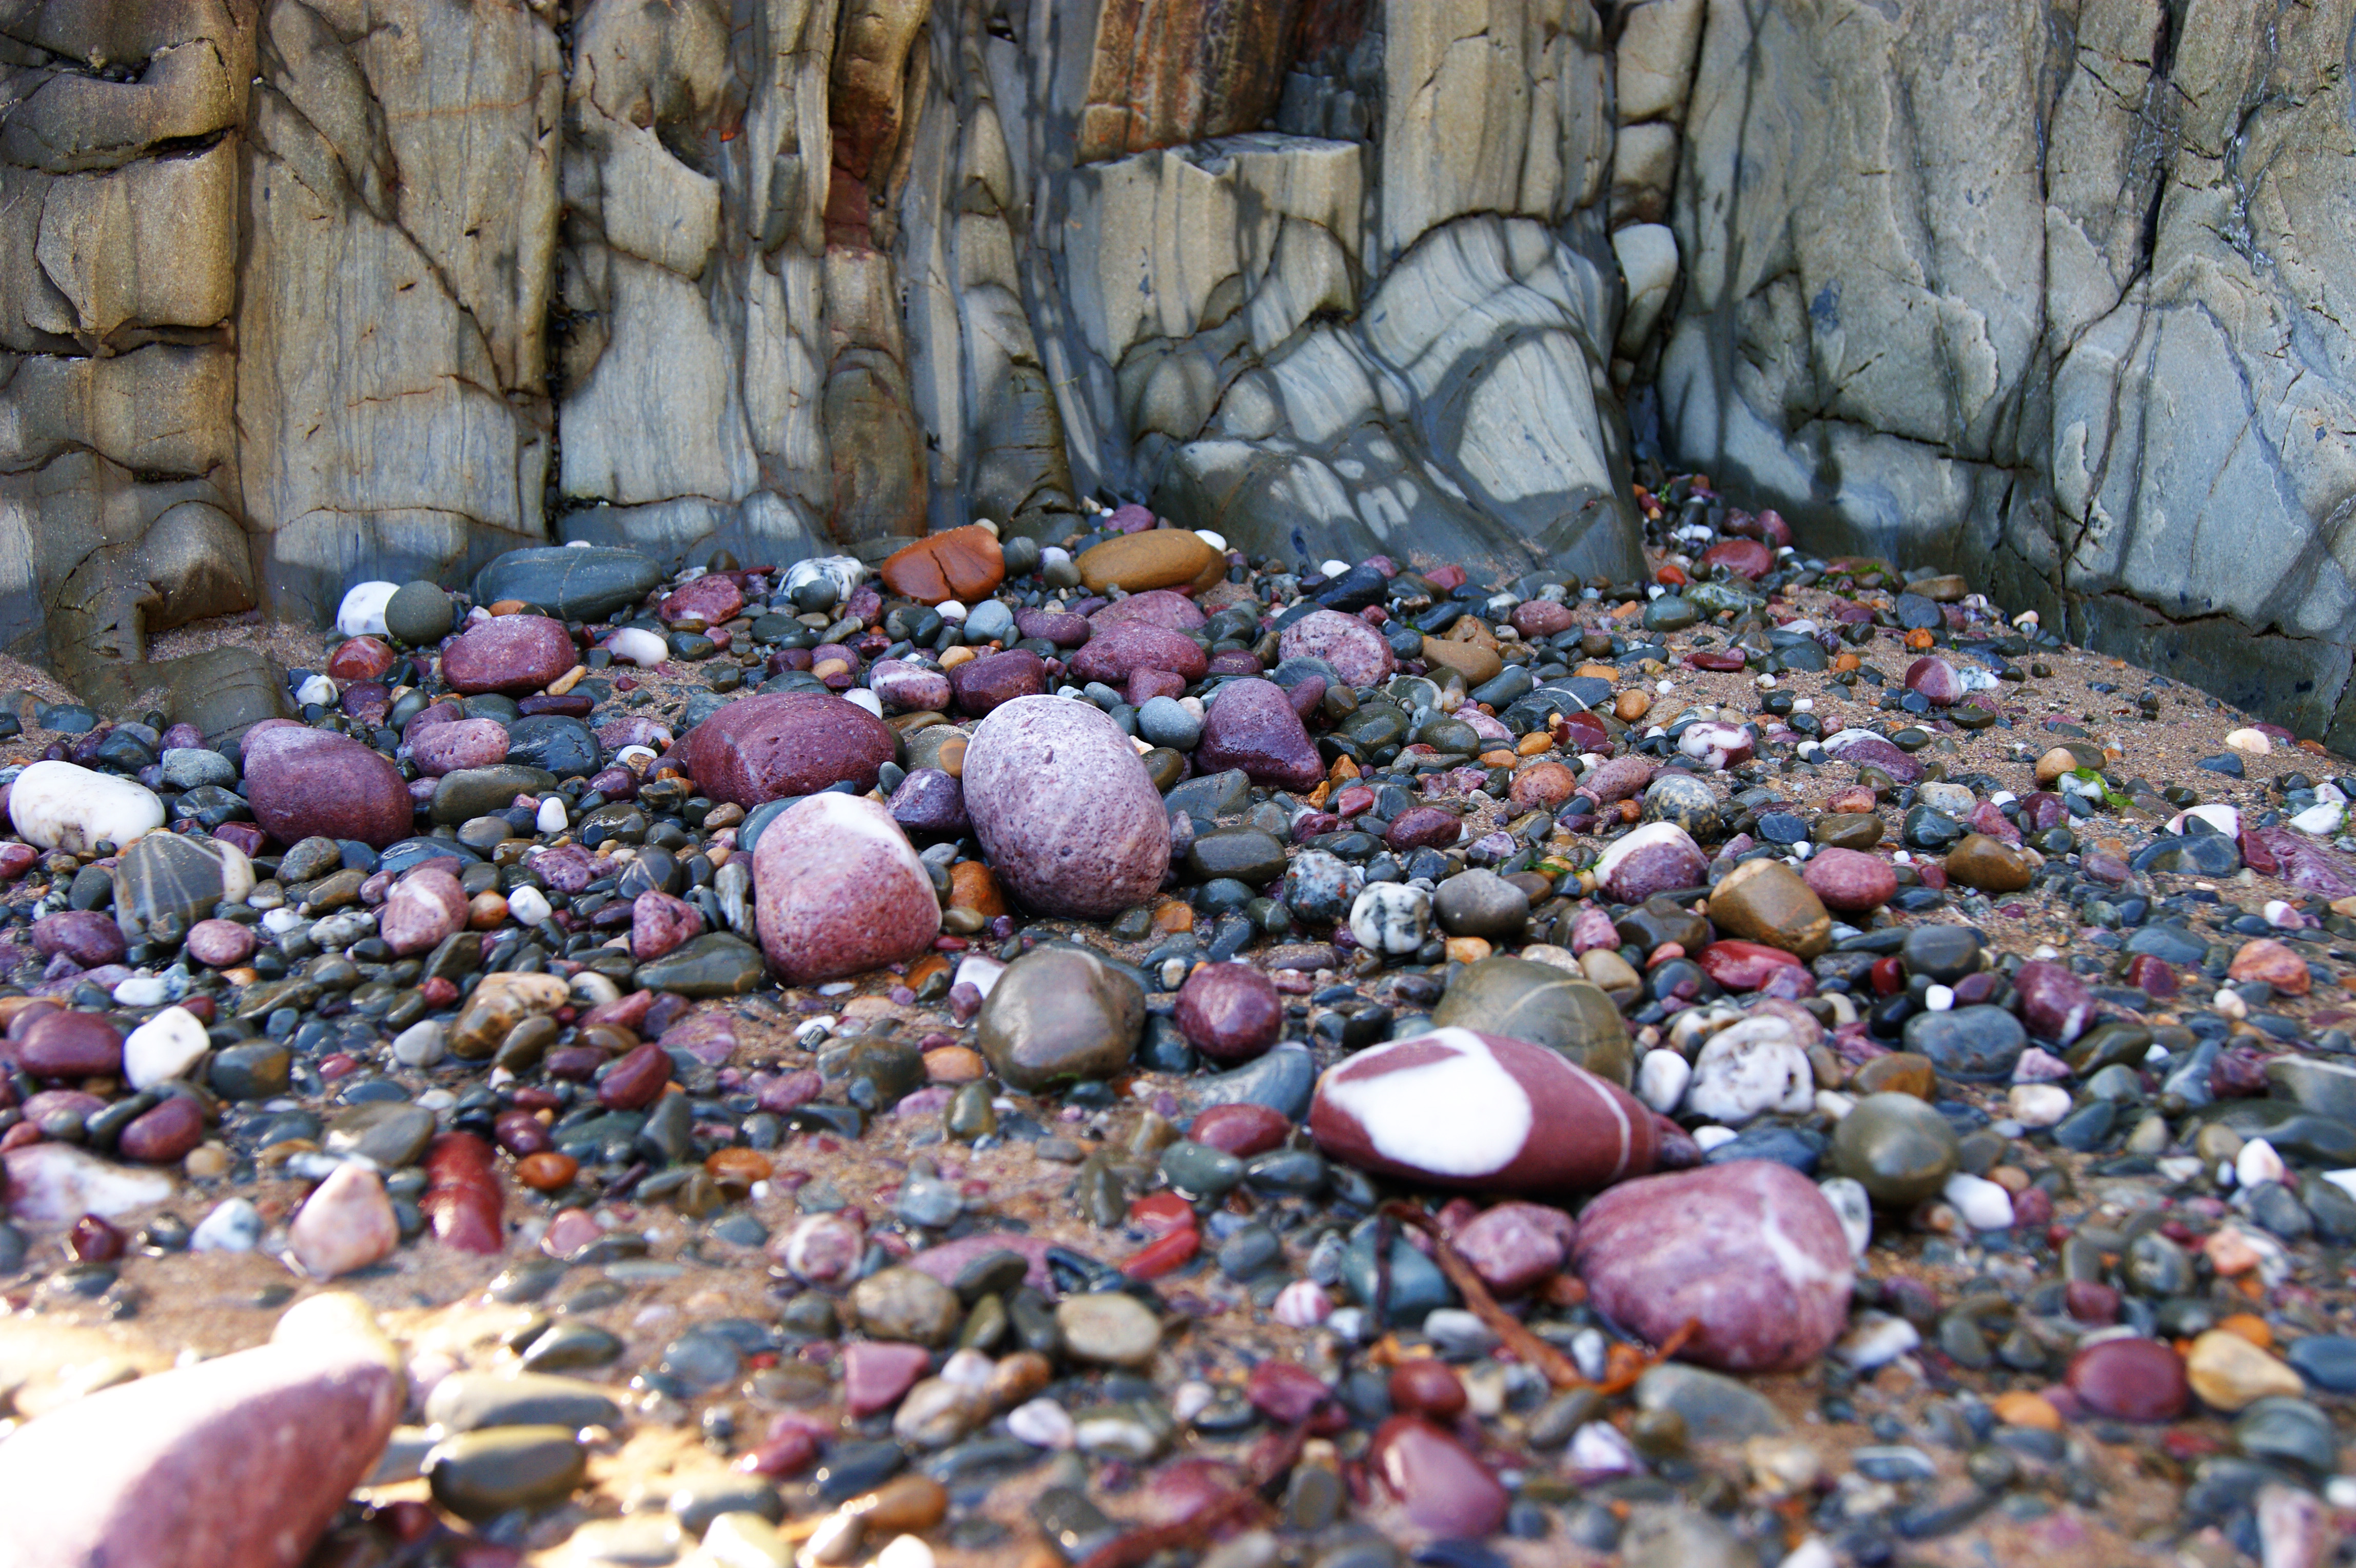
x: 547, y: 1171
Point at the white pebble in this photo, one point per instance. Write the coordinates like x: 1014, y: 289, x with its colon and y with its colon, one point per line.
x: 1753, y: 1067
x: 1810, y: 1553
x: 143, y: 991
x: 1854, y: 1208
x: 233, y: 1226
x: 950, y: 610
x: 55, y: 805
x: 1334, y: 568
x: 1215, y: 541
x: 637, y: 645
x: 420, y: 1045
x: 163, y: 1047
x: 2038, y: 1104
x: 317, y: 689
x: 861, y: 697
x: 2255, y: 742
x: 552, y: 818
x: 1711, y: 1135
x: 905, y: 1551
x: 1588, y: 1349
x: 1191, y: 1398
x: 1660, y: 1080
x: 1984, y: 1204
x: 969, y: 1368
x: 362, y: 612
x: 1599, y: 1449
x: 2257, y: 1162
x: 1939, y: 998
x: 2283, y: 916
x: 280, y: 921
x: 2229, y: 1003
x: 1876, y: 1340
x: 530, y: 905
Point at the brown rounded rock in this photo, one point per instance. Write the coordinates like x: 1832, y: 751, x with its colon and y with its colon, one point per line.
x: 1543, y: 787
x: 1066, y: 813
x: 305, y: 782
x: 1229, y: 1012
x: 166, y: 1133
x: 757, y: 749
x: 1765, y: 901
x: 1156, y: 558
x: 514, y: 654
x: 837, y: 891
x: 1989, y: 865
x: 958, y: 563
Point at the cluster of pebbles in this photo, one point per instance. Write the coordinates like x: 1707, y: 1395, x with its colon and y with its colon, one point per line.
x: 1116, y: 1053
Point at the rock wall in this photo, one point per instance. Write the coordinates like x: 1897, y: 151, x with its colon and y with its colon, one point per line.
x: 2055, y: 292
x: 294, y: 292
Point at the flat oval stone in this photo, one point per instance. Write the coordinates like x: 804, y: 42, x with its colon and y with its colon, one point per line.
x: 1156, y: 606
x: 481, y: 1475
x: 1251, y: 726
x: 441, y: 749
x: 1443, y: 1487
x: 305, y: 782
x: 1976, y: 1045
x: 1064, y: 808
x: 839, y: 891
x: 956, y: 564
x: 1751, y: 1250
x: 1897, y: 1147
x: 762, y: 749
x: 2131, y: 1379
x: 1155, y: 558
x: 1355, y: 650
x: 1849, y: 880
x: 984, y: 685
x: 510, y: 654
x: 87, y: 937
x: 586, y: 583
x: 1524, y: 1000
x: 1514, y: 1245
x: 1116, y: 650
x: 1461, y: 1109
x: 71, y: 1045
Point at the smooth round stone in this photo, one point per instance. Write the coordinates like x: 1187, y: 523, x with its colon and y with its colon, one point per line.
x: 1480, y: 903
x: 1067, y: 817
x: 1940, y: 953
x: 1056, y: 1014
x: 305, y: 782
x: 87, y: 937
x: 1655, y: 858
x: 583, y: 583
x: 1897, y: 1147
x: 511, y: 654
x: 1670, y: 612
x: 1753, y: 1067
x: 1355, y: 650
x: 905, y: 688
x: 1524, y: 1000
x: 193, y: 766
x: 838, y: 890
x: 441, y: 749
x: 564, y: 746
x: 986, y: 684
x: 1974, y: 1045
x: 1863, y: 748
x: 1229, y: 1012
x: 2290, y: 1428
x: 361, y: 613
x: 71, y: 1045
x: 1765, y: 901
x: 2326, y: 1361
x: 1443, y: 1487
x: 1514, y: 1246
x: 1252, y: 725
x: 1118, y: 650
x: 346, y: 1224
x: 713, y: 964
x: 1240, y: 1130
x: 55, y: 805
x: 906, y: 1304
x: 418, y: 614
x: 392, y: 1132
x: 1741, y: 966
x: 2055, y: 1003
x: 1936, y: 679
x: 1989, y: 865
x: 1156, y: 607
x: 1461, y: 1109
x: 1687, y: 803
x: 762, y: 749
x: 929, y: 801
x: 2130, y: 1380
x: 2229, y: 1373
x: 472, y: 792
x: 1849, y: 880
x: 1688, y: 1246
x: 1390, y: 917
x: 177, y: 876
x: 1165, y: 721
x: 1108, y: 1328
x: 165, y: 1134
x: 481, y: 1475
x: 421, y: 909
x: 1155, y: 558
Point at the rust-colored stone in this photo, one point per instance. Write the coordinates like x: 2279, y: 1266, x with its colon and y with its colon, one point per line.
x: 962, y: 564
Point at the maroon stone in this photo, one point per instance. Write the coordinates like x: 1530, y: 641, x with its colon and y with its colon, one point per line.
x: 446, y: 748
x: 1872, y: 751
x: 1721, y: 659
x: 1066, y: 814
x: 520, y: 1133
x: 905, y: 688
x: 1655, y: 858
x: 182, y: 737
x: 1988, y: 819
x: 1355, y: 649
x: 636, y: 1078
x: 711, y: 599
x: 514, y: 654
x: 2130, y: 1380
x: 361, y: 658
x: 163, y: 1135
x: 1124, y: 646
x: 1059, y: 626
x: 1542, y: 618
x: 1230, y: 1011
x: 2055, y: 1003
x: 71, y: 1045
x: 1621, y: 778
x: 757, y: 749
x: 366, y: 701
x: 242, y: 1460
x: 1306, y: 695
x: 1459, y: 1109
x: 2299, y: 861
x: 1743, y: 966
x: 1252, y: 724
x: 248, y: 838
x: 2152, y: 976
x: 1235, y: 662
x: 660, y: 922
x: 1688, y: 1246
x: 1426, y: 1386
x: 1746, y: 558
x: 2091, y: 1301
x: 875, y: 1374
x: 1163, y: 607
x: 929, y: 801
x: 2041, y: 809
x: 88, y: 937
x: 423, y: 909
x: 1424, y: 827
x: 985, y: 685
x: 571, y: 705
x: 462, y: 1199
x: 220, y: 944
x: 306, y: 782
x: 838, y: 890
x: 1443, y: 1487
x: 1851, y: 880
x: 1240, y: 1130
x: 1287, y: 1393
x: 1514, y: 1245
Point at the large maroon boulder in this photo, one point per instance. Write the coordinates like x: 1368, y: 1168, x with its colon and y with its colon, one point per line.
x: 1751, y: 1250
x: 789, y: 743
x: 301, y: 782
x: 1116, y: 650
x: 1455, y: 1108
x: 240, y: 1462
x: 1252, y: 724
x: 1067, y: 815
x: 837, y: 891
x: 514, y: 654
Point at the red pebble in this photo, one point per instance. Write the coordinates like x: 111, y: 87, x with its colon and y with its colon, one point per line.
x: 1889, y: 976
x: 520, y: 1133
x: 636, y: 1079
x: 1156, y: 1259
x: 462, y: 1199
x: 1240, y: 1130
x: 1426, y: 1387
x: 1287, y: 1392
x: 1159, y: 1213
x: 93, y: 1240
x: 787, y: 1455
x: 438, y: 993
x: 2152, y: 976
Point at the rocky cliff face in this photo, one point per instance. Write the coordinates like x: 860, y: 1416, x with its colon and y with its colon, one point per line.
x: 297, y: 291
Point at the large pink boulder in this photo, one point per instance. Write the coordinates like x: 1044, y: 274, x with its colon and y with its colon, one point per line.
x: 1066, y: 813
x: 837, y: 891
x: 759, y: 749
x: 1123, y: 646
x: 301, y: 782
x: 1748, y: 1249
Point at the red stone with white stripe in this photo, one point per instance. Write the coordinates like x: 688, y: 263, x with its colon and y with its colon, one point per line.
x: 1455, y: 1108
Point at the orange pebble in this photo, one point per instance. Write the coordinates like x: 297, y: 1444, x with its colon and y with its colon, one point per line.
x: 1172, y: 916
x: 738, y: 1167
x: 972, y: 886
x: 509, y: 607
x: 924, y: 969
x: 1845, y: 662
x: 1919, y: 640
x: 2250, y: 1326
x: 954, y: 1063
x: 546, y: 1171
x: 1535, y: 745
x: 1497, y: 759
x: 486, y: 912
x: 2019, y: 1408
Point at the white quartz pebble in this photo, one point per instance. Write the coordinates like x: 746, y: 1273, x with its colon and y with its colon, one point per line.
x: 55, y: 805
x: 362, y: 612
